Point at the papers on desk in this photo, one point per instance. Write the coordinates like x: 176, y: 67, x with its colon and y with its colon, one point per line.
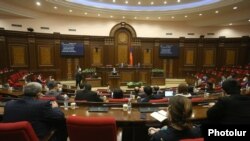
x: 160, y: 115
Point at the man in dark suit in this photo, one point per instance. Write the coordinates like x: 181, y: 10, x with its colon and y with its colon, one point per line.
x: 87, y: 94
x: 44, y: 116
x: 78, y: 76
x: 232, y: 109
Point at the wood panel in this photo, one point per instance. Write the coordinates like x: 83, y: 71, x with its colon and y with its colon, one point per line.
x: 209, y: 55
x: 147, y: 57
x: 97, y: 57
x: 230, y: 56
x: 127, y: 76
x: 45, y: 55
x: 123, y: 54
x: 189, y: 56
x: 18, y: 55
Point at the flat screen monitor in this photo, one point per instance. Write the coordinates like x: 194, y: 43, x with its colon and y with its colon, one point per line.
x: 72, y: 49
x: 169, y: 93
x: 168, y: 50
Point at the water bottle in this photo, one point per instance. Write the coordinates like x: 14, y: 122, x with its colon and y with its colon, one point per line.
x: 66, y: 102
x: 129, y: 106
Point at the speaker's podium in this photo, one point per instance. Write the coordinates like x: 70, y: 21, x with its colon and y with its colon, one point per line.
x: 114, y: 79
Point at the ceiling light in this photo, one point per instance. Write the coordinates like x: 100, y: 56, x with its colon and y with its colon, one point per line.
x: 200, y: 14
x: 38, y: 3
x: 216, y: 12
x: 98, y: 15
x: 230, y: 24
x: 249, y: 20
x: 234, y: 8
x: 113, y: 1
x: 123, y: 17
x: 178, y: 1
x: 185, y: 16
x: 152, y: 3
x: 70, y: 11
x: 85, y: 13
x: 172, y: 17
x: 159, y: 18
x: 139, y: 3
x: 55, y: 7
x: 165, y: 2
x: 135, y: 17
x: 126, y: 2
x: 111, y: 16
x: 147, y: 18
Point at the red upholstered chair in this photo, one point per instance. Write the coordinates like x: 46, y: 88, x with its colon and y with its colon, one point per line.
x: 91, y: 128
x: 120, y: 100
x: 194, y: 139
x: 49, y: 98
x: 158, y: 100
x: 17, y: 131
x: 197, y: 99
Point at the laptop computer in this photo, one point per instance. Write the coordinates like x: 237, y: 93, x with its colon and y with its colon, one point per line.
x: 169, y: 93
x: 98, y: 109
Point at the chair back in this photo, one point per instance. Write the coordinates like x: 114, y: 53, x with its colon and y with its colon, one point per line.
x: 91, y: 128
x: 120, y: 100
x: 158, y: 100
x: 194, y: 139
x: 48, y: 98
x: 17, y: 131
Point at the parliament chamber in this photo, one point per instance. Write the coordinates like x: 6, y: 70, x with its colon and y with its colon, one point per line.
x: 127, y: 45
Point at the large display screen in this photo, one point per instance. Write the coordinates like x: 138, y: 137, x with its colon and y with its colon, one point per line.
x: 168, y: 50
x: 72, y: 49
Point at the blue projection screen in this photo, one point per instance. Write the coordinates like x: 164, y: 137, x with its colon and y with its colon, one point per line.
x: 168, y: 50
x: 72, y: 49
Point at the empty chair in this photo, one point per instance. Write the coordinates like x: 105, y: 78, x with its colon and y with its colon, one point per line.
x: 194, y: 139
x: 91, y: 128
x: 158, y: 100
x: 17, y: 131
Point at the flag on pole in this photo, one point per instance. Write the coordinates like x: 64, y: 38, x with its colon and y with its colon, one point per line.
x: 131, y: 60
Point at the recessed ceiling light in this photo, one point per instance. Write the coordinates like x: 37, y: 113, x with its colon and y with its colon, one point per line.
x: 135, y: 17
x: 111, y: 16
x: 200, y: 14
x: 172, y: 17
x: 216, y: 12
x: 126, y: 2
x: 55, y: 7
x: 178, y: 1
x: 70, y: 10
x: 38, y: 3
x: 98, y: 15
x: 147, y: 18
x: 114, y: 1
x: 234, y: 8
x: 152, y: 3
x: 230, y: 24
x: 159, y: 18
x: 85, y: 13
x: 123, y: 17
x: 139, y: 3
x: 165, y: 2
x: 185, y: 16
x: 249, y: 20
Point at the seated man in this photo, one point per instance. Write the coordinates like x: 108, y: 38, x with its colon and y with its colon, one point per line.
x: 54, y: 90
x: 148, y: 91
x: 183, y: 90
x: 87, y: 94
x: 117, y: 93
x: 44, y: 116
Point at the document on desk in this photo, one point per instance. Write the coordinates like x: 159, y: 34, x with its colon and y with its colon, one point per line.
x: 159, y: 115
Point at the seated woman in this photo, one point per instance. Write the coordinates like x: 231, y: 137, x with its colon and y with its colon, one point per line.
x: 183, y: 90
x: 117, y: 93
x: 179, y: 127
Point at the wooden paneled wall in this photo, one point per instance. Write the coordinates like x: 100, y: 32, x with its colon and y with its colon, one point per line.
x: 40, y: 53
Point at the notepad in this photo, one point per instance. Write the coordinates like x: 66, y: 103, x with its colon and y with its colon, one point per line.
x: 98, y: 109
x: 159, y: 115
x: 147, y: 109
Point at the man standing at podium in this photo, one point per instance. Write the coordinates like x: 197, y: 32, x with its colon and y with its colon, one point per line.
x: 78, y: 76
